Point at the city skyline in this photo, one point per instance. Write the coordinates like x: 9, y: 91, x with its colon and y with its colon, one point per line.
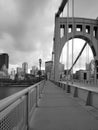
x: 27, y: 27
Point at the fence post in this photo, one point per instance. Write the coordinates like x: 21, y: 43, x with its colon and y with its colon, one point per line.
x: 68, y: 88
x: 64, y: 86
x: 36, y: 96
x: 27, y: 110
x: 39, y: 91
x: 89, y: 98
x: 75, y: 92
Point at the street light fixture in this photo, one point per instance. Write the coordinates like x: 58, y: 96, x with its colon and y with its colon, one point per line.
x: 40, y: 62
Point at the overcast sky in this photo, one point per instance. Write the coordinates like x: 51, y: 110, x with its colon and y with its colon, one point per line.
x: 26, y: 27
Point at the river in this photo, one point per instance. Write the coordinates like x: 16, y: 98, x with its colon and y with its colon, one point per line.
x: 7, y: 91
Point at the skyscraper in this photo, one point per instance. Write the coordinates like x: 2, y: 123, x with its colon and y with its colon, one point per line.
x: 34, y: 70
x: 4, y: 60
x: 25, y: 67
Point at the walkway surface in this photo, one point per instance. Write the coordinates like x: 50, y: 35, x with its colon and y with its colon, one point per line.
x: 58, y: 110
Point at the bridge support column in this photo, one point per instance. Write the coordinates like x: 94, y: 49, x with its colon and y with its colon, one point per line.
x: 56, y: 49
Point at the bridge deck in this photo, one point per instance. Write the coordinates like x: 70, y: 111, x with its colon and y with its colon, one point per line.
x: 58, y: 110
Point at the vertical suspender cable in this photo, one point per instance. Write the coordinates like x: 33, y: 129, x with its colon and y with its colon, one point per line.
x: 88, y: 54
x: 89, y: 64
x: 72, y: 35
x: 67, y: 61
x: 80, y: 62
x: 62, y: 35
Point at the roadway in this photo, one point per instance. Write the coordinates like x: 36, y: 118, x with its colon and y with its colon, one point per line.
x: 58, y: 110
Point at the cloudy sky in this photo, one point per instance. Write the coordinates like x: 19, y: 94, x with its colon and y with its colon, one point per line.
x: 26, y: 27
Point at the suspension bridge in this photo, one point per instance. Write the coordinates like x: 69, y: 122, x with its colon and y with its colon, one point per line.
x: 59, y: 103
x: 67, y: 28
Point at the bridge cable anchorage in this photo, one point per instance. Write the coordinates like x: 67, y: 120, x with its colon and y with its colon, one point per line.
x: 67, y: 61
x: 78, y: 56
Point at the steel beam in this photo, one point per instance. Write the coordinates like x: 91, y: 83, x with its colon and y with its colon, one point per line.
x: 61, y: 8
x: 78, y: 55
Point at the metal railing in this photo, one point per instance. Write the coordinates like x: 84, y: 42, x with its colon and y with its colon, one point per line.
x: 16, y: 110
x: 88, y: 94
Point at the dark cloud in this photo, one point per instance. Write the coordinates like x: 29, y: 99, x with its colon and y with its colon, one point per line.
x: 27, y: 7
x: 27, y: 26
x: 29, y: 10
x: 26, y: 29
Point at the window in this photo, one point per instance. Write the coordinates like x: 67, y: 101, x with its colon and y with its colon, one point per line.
x: 69, y: 28
x: 79, y: 28
x: 88, y: 29
x: 95, y: 31
x: 62, y: 30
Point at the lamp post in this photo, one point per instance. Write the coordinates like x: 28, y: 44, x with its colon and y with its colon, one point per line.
x: 40, y: 62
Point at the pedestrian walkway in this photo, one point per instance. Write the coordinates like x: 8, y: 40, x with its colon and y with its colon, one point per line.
x: 58, y: 110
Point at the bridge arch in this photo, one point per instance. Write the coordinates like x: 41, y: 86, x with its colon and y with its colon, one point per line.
x: 86, y: 29
x: 92, y: 44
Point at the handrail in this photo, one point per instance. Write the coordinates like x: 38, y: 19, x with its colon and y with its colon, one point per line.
x: 92, y: 89
x: 9, y: 100
x: 89, y: 94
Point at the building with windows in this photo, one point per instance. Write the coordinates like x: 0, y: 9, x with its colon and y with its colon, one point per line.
x: 34, y: 70
x: 82, y: 75
x: 4, y: 60
x: 25, y: 67
x: 19, y: 70
x: 92, y: 70
x: 20, y: 73
x: 4, y: 64
x: 48, y: 68
x: 12, y: 74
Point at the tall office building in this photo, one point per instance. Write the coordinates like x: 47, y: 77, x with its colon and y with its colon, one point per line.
x: 4, y: 60
x: 34, y: 70
x: 19, y: 71
x: 48, y: 68
x: 25, y: 67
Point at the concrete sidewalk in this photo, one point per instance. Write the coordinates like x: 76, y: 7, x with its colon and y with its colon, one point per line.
x: 60, y: 111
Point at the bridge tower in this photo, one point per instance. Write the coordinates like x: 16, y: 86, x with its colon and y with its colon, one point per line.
x: 86, y: 29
